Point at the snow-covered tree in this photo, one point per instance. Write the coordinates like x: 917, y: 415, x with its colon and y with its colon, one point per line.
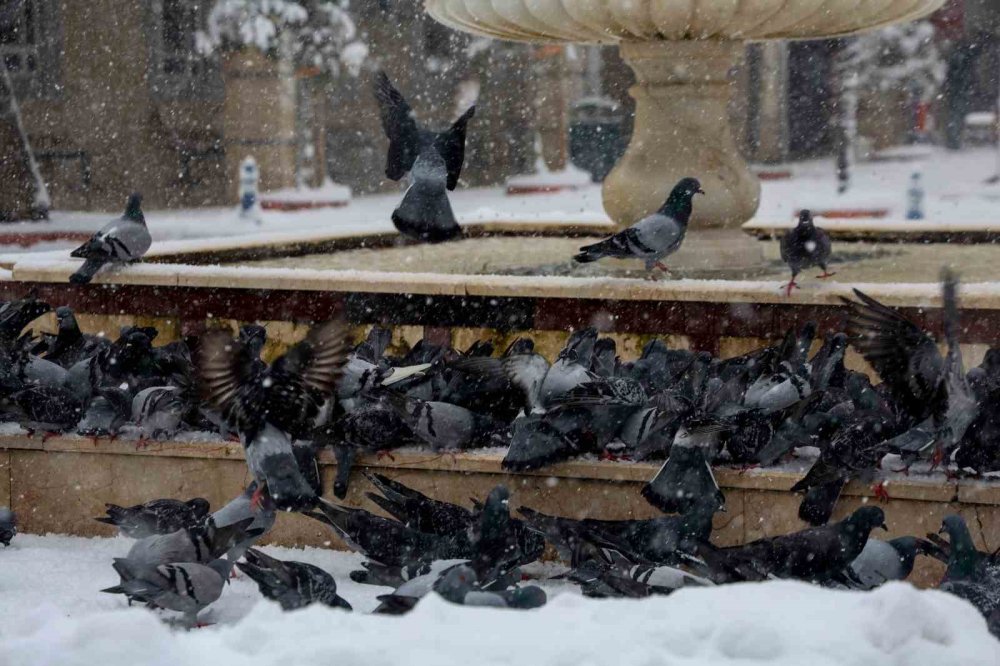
x: 319, y: 33
x: 900, y: 57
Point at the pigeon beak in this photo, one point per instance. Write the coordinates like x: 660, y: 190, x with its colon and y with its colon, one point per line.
x: 884, y: 527
x: 941, y: 530
x: 700, y: 191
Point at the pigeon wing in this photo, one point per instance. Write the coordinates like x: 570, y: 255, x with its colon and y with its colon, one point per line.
x: 230, y: 379
x: 399, y: 126
x: 451, y: 146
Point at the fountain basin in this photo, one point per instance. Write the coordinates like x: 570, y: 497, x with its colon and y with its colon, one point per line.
x: 615, y: 21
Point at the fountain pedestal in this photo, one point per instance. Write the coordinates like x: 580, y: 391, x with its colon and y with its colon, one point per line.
x: 682, y: 129
x: 682, y: 53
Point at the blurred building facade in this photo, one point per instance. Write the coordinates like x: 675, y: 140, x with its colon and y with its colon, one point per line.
x: 114, y: 98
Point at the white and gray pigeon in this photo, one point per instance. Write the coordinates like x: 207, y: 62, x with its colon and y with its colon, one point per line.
x: 434, y: 161
x: 158, y: 411
x: 186, y: 587
x: 653, y: 237
x: 123, y: 240
x: 884, y: 561
x: 8, y: 525
x: 805, y: 246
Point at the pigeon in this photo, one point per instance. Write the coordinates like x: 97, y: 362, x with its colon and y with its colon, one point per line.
x: 292, y: 584
x: 972, y: 575
x: 661, y: 540
x: 460, y: 585
x: 815, y: 554
x: 201, y: 543
x: 410, y: 591
x: 15, y: 315
x: 494, y: 541
x: 158, y: 411
x: 387, y: 541
x: 932, y: 391
x: 156, y: 517
x: 124, y: 240
x: 186, y: 587
x: 70, y: 345
x: 686, y: 477
x: 433, y: 160
x: 373, y: 426
x: 50, y: 409
x: 262, y: 516
x: 270, y: 406
x: 884, y: 561
x: 107, y: 412
x: 8, y: 525
x: 805, y: 246
x: 448, y: 427
x: 654, y: 237
x: 856, y: 450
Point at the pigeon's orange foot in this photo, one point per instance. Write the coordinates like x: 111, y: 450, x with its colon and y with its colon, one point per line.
x: 614, y: 457
x: 938, y: 458
x: 257, y: 499
x: 881, y: 494
x: 384, y: 453
x: 748, y: 466
x: 662, y: 266
x: 47, y: 435
x: 141, y: 443
x: 792, y: 284
x: 826, y: 274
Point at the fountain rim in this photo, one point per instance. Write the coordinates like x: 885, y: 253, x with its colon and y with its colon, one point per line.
x: 196, y: 264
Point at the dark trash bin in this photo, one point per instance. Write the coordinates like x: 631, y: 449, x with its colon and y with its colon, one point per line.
x: 596, y: 136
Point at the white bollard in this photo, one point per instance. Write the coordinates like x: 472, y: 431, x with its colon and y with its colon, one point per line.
x: 249, y: 186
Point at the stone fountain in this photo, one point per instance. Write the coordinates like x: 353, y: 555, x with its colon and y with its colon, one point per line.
x: 683, y: 53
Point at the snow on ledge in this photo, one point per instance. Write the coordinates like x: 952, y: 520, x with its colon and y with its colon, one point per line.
x: 773, y: 624
x: 983, y: 295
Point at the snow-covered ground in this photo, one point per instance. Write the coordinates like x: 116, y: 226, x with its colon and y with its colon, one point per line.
x: 52, y: 612
x: 954, y: 183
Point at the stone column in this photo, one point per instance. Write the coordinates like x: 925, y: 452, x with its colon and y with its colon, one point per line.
x: 682, y: 129
x: 259, y: 118
x: 772, y: 110
x: 552, y: 105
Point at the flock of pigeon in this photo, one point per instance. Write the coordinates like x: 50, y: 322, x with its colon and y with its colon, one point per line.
x: 690, y: 409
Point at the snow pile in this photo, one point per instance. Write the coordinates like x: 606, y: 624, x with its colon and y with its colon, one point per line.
x: 53, y: 614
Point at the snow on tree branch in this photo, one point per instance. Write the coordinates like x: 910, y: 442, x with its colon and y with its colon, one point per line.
x: 900, y: 56
x: 322, y: 32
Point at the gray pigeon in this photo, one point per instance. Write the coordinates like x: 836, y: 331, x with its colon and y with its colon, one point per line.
x: 884, y: 561
x: 106, y: 414
x: 448, y: 427
x: 201, y: 543
x: 972, y: 575
x: 805, y: 246
x: 292, y: 584
x: 433, y: 160
x: 158, y: 411
x: 686, y: 478
x: 263, y: 515
x: 186, y: 587
x: 162, y: 516
x: 121, y: 241
x: 8, y: 525
x: 654, y: 237
x: 460, y: 585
